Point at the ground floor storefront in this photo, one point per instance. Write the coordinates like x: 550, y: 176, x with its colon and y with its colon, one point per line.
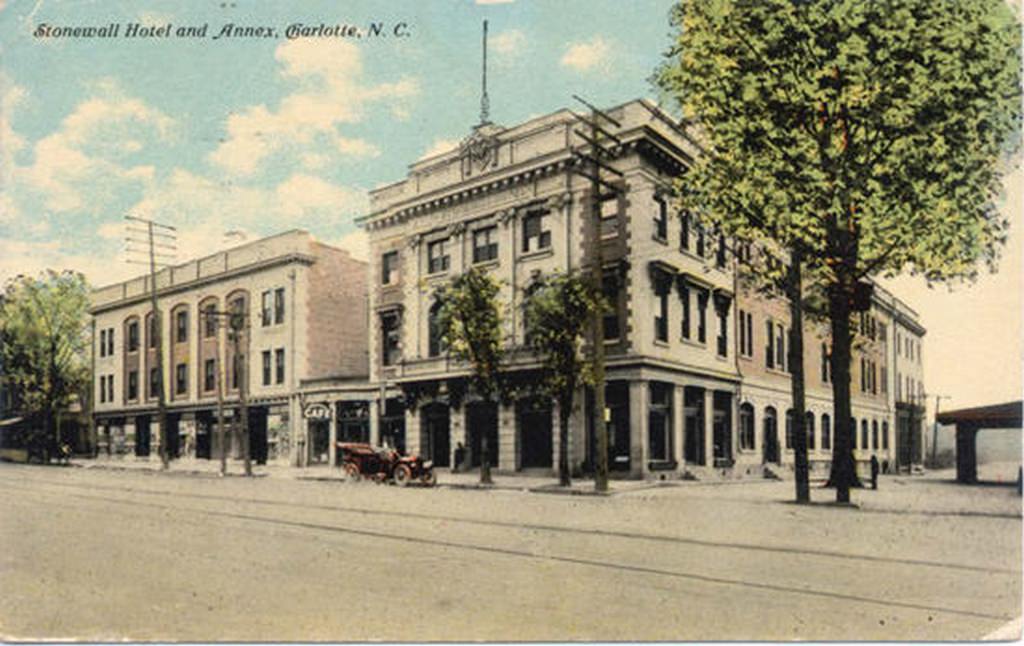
x: 193, y: 432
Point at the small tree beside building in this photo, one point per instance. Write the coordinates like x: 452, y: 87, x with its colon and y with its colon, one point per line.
x: 470, y: 321
x: 558, y: 312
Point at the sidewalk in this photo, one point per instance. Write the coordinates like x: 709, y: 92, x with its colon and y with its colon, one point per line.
x: 468, y: 480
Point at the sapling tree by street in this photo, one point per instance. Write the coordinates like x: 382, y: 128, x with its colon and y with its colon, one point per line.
x: 470, y: 321
x: 871, y: 136
x: 44, y: 343
x: 558, y: 310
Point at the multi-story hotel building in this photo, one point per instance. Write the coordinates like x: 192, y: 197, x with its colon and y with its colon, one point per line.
x: 694, y: 378
x: 305, y: 303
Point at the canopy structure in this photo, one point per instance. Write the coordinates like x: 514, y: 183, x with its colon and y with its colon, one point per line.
x: 968, y: 422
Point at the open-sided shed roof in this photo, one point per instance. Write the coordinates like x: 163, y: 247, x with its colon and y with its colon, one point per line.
x: 995, y: 416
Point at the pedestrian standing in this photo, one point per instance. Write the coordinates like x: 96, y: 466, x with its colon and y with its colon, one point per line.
x: 874, y: 472
x: 460, y: 457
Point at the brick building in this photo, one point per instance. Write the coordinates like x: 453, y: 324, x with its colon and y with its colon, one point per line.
x: 306, y: 309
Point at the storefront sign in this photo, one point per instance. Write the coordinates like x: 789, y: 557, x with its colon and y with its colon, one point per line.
x: 317, y: 411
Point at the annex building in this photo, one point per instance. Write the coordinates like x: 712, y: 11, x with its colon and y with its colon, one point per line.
x: 305, y: 307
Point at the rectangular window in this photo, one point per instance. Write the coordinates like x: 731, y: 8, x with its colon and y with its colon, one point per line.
x: 684, y: 298
x: 610, y: 218
x: 863, y: 374
x: 702, y: 316
x: 769, y: 350
x: 535, y: 237
x: 103, y: 346
x: 389, y: 339
x: 237, y: 366
x: 181, y: 379
x: 660, y: 219
x: 209, y: 321
x: 661, y: 319
x: 133, y: 336
x: 437, y: 256
x: 279, y: 366
x: 826, y: 432
x: 826, y: 367
x: 389, y: 268
x: 151, y: 332
x: 611, y: 315
x: 746, y: 334
x: 279, y: 306
x: 780, y: 347
x: 700, y: 240
x: 209, y: 375
x: 684, y: 231
x: 110, y: 342
x: 720, y: 253
x: 266, y: 367
x: 103, y: 389
x: 181, y: 326
x: 265, y: 308
x: 154, y: 383
x: 133, y: 385
x: 885, y: 380
x: 485, y: 244
x: 723, y: 331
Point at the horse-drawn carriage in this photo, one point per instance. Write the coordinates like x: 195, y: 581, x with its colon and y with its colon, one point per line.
x: 382, y: 464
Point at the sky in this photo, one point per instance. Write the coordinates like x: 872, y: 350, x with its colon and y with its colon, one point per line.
x: 245, y: 136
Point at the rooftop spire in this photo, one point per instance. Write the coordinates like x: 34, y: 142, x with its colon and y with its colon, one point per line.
x: 485, y: 103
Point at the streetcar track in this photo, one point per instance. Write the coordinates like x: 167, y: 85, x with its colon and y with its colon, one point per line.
x: 544, y: 527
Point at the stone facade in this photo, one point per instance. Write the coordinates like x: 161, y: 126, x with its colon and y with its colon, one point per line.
x: 511, y: 200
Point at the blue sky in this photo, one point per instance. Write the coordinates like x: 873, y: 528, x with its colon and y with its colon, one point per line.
x: 261, y: 135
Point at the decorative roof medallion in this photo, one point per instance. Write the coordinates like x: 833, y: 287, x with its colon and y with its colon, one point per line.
x: 479, y: 151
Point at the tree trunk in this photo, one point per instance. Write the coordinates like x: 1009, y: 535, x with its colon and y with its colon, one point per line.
x: 485, y: 459
x: 843, y: 474
x: 564, y: 411
x: 794, y: 285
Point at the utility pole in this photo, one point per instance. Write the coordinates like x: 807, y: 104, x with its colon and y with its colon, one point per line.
x: 590, y: 166
x: 935, y: 428
x: 218, y: 316
x: 167, y: 236
x: 239, y: 321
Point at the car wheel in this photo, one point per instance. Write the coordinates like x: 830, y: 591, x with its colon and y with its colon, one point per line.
x: 352, y: 472
x: 402, y: 475
x: 429, y: 478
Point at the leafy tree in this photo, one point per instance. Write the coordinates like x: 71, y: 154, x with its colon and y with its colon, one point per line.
x: 470, y: 322
x: 868, y: 135
x: 44, y: 342
x: 558, y: 313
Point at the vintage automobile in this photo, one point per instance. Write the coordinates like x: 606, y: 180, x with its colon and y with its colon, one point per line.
x: 384, y: 464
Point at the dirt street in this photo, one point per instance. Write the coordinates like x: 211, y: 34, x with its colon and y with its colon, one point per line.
x: 102, y: 555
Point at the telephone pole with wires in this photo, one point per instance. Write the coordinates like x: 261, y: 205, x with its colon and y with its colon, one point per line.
x: 590, y: 164
x: 159, y: 242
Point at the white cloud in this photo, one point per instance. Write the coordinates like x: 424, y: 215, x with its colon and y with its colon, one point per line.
x: 440, y: 146
x: 593, y: 55
x: 356, y: 242
x: 80, y: 165
x: 509, y: 43
x: 32, y: 258
x: 331, y: 92
x: 305, y: 195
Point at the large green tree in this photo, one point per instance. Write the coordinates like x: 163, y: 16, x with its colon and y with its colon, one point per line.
x: 558, y: 314
x: 44, y: 342
x: 871, y: 136
x: 470, y: 323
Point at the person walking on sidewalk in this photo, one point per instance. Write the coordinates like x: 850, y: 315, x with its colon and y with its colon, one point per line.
x: 874, y: 472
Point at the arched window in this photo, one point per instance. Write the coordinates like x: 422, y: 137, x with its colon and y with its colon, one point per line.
x: 885, y: 435
x: 179, y: 321
x: 435, y: 338
x: 864, y: 434
x: 826, y: 432
x: 746, y: 427
x: 809, y: 423
x: 874, y: 434
x: 770, y: 441
x: 131, y: 334
x: 790, y: 423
